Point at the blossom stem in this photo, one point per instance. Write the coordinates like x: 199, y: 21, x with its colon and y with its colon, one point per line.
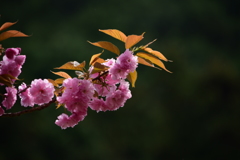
x: 29, y: 110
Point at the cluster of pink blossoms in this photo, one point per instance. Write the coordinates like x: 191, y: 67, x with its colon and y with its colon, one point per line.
x: 39, y: 92
x: 79, y: 94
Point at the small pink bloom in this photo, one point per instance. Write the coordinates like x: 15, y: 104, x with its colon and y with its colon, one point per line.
x: 127, y: 61
x: 116, y: 100
x: 42, y: 91
x: 109, y: 62
x: 98, y: 105
x: 117, y: 72
x: 20, y: 59
x: 12, y: 52
x: 26, y: 97
x: 11, y: 97
x: 64, y: 121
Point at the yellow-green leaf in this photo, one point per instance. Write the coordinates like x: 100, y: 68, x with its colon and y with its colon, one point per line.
x: 73, y: 65
x: 115, y: 33
x: 156, y: 53
x: 132, y: 40
x: 6, y: 25
x: 132, y: 77
x: 62, y: 74
x: 107, y: 45
x: 11, y: 33
x: 152, y: 59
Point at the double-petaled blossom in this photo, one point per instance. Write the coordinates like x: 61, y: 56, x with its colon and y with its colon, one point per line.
x: 10, y: 97
x: 25, y: 96
x: 124, y: 64
x: 12, y: 62
x: 76, y: 98
x: 42, y: 91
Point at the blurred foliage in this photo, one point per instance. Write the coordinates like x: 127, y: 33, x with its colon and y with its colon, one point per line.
x: 193, y: 113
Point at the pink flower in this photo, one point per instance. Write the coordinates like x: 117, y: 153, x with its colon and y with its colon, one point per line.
x: 117, y: 72
x: 26, y: 97
x: 64, y: 121
x: 124, y: 87
x: 104, y: 90
x: 12, y: 52
x: 42, y: 91
x: 10, y: 67
x: 11, y: 97
x: 127, y: 61
x: 20, y: 59
x: 1, y: 111
x: 109, y: 62
x: 77, y: 94
x: 115, y: 100
x: 98, y: 105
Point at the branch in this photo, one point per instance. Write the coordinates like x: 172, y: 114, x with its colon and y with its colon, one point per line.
x: 29, y: 110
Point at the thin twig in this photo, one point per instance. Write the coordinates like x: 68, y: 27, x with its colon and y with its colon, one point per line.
x: 29, y: 110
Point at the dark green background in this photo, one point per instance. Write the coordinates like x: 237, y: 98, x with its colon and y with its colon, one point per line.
x: 193, y: 113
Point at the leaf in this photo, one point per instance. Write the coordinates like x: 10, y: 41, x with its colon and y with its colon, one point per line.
x: 115, y: 33
x: 53, y: 82
x: 144, y: 62
x: 5, y: 80
x: 59, y: 80
x: 156, y: 53
x: 132, y: 77
x: 73, y: 65
x: 94, y: 58
x: 6, y: 25
x: 106, y: 45
x: 62, y: 74
x: 152, y: 59
x: 132, y: 40
x: 11, y: 33
x: 98, y: 67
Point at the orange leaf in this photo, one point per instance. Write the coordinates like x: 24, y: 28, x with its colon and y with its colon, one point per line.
x: 107, y: 45
x: 115, y: 33
x: 94, y: 58
x: 98, y: 67
x: 59, y: 80
x: 132, y: 77
x: 144, y: 62
x: 73, y: 65
x: 152, y: 59
x: 132, y: 40
x: 6, y: 25
x: 53, y: 82
x: 62, y: 74
x: 11, y: 33
x: 156, y: 53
